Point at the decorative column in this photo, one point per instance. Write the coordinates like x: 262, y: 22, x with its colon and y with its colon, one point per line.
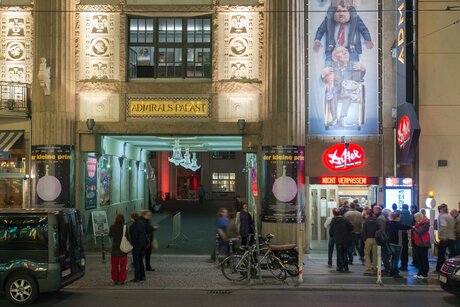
x: 53, y: 101
x: 285, y: 90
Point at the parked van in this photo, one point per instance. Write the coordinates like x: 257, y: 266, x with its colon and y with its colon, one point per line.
x: 41, y: 250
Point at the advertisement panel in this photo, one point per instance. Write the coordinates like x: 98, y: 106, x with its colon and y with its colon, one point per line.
x: 343, y: 67
x: 51, y: 174
x: 105, y: 177
x: 91, y: 183
x: 283, y: 180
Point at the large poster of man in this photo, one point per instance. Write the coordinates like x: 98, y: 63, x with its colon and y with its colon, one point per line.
x: 343, y: 67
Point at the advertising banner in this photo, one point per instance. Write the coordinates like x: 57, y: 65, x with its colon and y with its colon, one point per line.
x: 408, y: 133
x: 343, y: 67
x: 51, y: 174
x: 91, y: 183
x: 405, y: 52
x: 283, y: 180
x: 105, y: 177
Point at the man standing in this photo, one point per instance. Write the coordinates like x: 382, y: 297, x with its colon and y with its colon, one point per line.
x: 456, y: 215
x: 446, y: 235
x: 341, y: 231
x: 139, y: 242
x: 201, y: 194
x: 331, y: 242
x: 356, y: 219
x: 382, y: 219
x: 407, y: 220
x: 149, y: 229
x: 370, y: 227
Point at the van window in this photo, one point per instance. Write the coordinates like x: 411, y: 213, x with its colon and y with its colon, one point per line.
x: 23, y: 232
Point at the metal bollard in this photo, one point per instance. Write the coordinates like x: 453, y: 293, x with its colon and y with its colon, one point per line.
x: 379, y: 265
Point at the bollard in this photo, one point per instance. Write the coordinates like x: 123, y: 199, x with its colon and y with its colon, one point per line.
x: 379, y: 265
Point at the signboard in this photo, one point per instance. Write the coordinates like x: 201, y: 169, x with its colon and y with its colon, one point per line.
x: 91, y: 183
x: 343, y: 156
x: 344, y: 180
x: 105, y: 178
x: 51, y: 174
x: 283, y: 177
x: 407, y: 134
x: 404, y: 52
x: 168, y: 107
x: 398, y: 182
x: 100, y: 223
x: 343, y: 67
x: 397, y: 196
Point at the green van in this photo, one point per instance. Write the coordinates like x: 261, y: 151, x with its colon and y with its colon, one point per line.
x: 41, y: 250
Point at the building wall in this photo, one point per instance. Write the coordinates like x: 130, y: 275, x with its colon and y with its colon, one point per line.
x: 439, y: 63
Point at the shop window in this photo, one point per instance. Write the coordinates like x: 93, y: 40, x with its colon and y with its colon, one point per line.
x: 12, y: 168
x: 169, y: 47
x: 223, y: 182
x: 24, y: 232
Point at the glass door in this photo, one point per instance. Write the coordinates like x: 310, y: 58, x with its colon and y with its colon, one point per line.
x: 322, y: 199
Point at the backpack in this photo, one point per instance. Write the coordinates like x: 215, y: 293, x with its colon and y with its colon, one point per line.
x: 381, y: 236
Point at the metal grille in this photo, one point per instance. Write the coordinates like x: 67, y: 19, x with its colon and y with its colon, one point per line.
x: 13, y: 96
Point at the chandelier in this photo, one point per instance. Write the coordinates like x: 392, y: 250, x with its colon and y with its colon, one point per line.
x: 187, y: 161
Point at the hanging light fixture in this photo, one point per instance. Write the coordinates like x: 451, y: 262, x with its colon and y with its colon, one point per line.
x: 186, y: 162
x: 176, y: 158
x: 194, y: 166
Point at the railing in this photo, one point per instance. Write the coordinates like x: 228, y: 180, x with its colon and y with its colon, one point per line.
x: 177, y: 231
x: 14, y: 97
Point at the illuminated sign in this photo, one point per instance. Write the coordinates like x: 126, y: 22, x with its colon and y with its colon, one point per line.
x: 344, y: 180
x: 343, y: 157
x: 404, y: 131
x: 398, y: 182
x: 193, y: 107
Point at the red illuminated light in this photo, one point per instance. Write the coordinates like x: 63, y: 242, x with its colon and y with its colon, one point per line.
x: 344, y: 156
x: 404, y: 131
x: 346, y: 180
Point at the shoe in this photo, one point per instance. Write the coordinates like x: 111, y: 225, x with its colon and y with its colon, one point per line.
x: 422, y: 277
x: 347, y: 270
x: 134, y: 280
x: 329, y: 264
x: 142, y: 279
x: 151, y: 270
x: 339, y: 270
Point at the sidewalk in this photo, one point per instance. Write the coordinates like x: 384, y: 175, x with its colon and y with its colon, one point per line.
x: 179, y: 272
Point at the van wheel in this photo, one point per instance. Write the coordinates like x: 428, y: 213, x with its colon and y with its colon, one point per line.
x: 21, y: 289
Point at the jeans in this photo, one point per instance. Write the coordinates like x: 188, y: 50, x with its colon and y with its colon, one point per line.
x: 422, y: 261
x: 139, y: 270
x: 386, y: 255
x: 370, y: 245
x: 119, y: 268
x: 442, y: 248
x: 405, y: 250
x: 354, y: 246
x: 342, y: 261
x: 330, y: 250
x: 395, y: 255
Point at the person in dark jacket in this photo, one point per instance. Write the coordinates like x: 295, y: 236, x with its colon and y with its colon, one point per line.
x: 246, y: 226
x: 149, y: 229
x: 370, y: 227
x: 408, y: 220
x: 138, y: 241
x: 422, y: 240
x: 395, y: 240
x: 118, y: 258
x: 341, y: 230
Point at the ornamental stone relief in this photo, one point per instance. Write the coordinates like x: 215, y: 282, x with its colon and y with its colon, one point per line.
x: 100, y: 106
x: 99, y: 49
x: 239, y: 50
x: 16, y: 47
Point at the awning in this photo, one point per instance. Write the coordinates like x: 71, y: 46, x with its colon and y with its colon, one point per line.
x: 8, y: 138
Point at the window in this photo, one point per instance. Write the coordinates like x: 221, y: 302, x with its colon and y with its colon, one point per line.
x: 24, y: 232
x: 169, y: 47
x: 223, y: 182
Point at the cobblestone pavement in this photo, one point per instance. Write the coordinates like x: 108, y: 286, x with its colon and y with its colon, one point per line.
x: 199, y: 273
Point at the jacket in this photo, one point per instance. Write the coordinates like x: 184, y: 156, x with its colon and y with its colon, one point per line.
x: 116, y: 233
x: 446, y: 227
x: 406, y: 218
x: 421, y: 233
x: 457, y: 227
x: 394, y: 230
x: 138, y: 236
x: 356, y: 219
x: 369, y: 228
x: 341, y: 230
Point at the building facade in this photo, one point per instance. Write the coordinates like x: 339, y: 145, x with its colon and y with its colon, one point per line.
x: 144, y: 69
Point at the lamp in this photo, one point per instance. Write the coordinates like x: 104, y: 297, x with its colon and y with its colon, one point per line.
x: 241, y: 124
x: 176, y: 158
x: 186, y: 162
x: 194, y: 166
x: 90, y: 123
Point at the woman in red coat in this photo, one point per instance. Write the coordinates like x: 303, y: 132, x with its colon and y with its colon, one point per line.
x: 422, y: 241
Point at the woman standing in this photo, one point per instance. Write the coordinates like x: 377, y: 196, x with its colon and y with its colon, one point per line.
x: 119, y: 259
x: 422, y: 241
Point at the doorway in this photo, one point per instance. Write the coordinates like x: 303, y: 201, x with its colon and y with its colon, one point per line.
x: 322, y: 199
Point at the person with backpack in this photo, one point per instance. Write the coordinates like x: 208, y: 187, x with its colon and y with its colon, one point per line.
x: 341, y: 230
x: 381, y: 236
x: 394, y: 230
x: 422, y: 241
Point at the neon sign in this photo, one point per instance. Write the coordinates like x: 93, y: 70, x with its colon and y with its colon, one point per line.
x: 350, y: 180
x: 403, y: 131
x: 343, y: 157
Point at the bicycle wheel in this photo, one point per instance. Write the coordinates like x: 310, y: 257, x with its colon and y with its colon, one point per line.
x: 234, y: 268
x: 276, y: 267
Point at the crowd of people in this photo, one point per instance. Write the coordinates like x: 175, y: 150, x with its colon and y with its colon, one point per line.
x: 358, y: 230
x: 141, y: 236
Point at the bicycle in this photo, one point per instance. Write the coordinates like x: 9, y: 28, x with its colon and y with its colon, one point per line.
x: 236, y: 267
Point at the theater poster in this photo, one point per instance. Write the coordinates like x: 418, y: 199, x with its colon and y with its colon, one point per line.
x: 91, y: 183
x: 343, y: 67
x: 51, y: 176
x: 283, y: 184
x: 105, y: 178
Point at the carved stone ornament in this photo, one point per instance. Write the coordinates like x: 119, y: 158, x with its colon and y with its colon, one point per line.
x: 44, y: 76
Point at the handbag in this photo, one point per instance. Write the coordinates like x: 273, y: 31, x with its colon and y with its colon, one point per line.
x: 125, y: 246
